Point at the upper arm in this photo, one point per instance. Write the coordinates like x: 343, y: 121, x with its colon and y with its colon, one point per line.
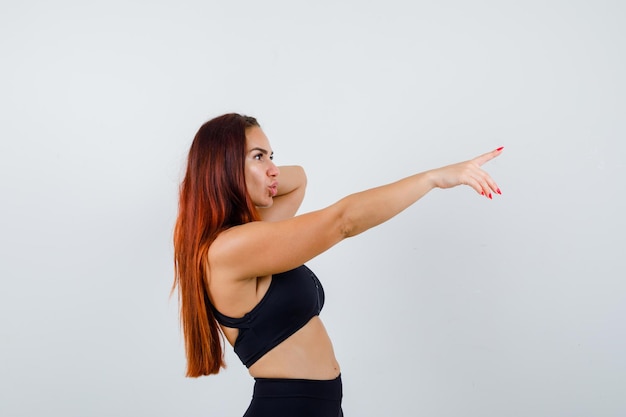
x: 262, y: 248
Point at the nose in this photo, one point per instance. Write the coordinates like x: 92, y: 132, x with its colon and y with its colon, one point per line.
x: 273, y: 170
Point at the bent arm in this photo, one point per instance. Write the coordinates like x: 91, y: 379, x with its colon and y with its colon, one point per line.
x: 291, y: 189
x: 262, y: 248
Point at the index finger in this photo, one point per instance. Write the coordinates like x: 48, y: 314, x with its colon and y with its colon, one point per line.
x: 484, y: 158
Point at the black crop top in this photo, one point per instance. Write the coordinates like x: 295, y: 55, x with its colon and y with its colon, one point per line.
x: 291, y: 300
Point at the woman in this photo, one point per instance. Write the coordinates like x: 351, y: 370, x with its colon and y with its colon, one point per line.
x: 240, y: 254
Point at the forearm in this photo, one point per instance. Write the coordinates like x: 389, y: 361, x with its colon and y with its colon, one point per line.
x: 292, y: 178
x: 364, y: 210
x: 289, y: 196
x: 361, y: 211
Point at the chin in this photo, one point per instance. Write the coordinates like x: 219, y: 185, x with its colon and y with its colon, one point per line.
x: 265, y: 204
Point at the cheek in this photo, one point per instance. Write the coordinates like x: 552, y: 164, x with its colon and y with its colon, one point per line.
x: 249, y: 175
x: 253, y: 179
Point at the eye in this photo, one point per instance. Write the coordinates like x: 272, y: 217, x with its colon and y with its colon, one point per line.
x: 271, y: 157
x: 258, y: 157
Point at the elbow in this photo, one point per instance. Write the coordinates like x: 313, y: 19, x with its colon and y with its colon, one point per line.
x: 300, y: 176
x: 344, y: 229
x: 345, y: 226
x: 303, y: 177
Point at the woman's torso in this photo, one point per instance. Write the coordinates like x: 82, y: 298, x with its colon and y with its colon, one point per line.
x: 306, y: 354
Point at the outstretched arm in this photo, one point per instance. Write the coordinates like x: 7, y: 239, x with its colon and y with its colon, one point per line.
x: 269, y: 248
x: 373, y: 207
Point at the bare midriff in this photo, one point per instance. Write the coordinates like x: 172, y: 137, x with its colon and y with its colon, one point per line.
x: 307, y: 354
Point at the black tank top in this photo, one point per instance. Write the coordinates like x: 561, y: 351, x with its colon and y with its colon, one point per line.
x: 292, y: 299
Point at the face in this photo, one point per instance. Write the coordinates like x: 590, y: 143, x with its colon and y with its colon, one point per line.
x: 260, y: 171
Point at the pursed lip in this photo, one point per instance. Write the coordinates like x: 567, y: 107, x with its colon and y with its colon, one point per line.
x: 274, y: 188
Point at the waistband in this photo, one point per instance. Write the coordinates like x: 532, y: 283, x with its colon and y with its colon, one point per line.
x: 310, y: 388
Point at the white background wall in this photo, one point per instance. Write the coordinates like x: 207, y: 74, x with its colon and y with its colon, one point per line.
x: 459, y: 306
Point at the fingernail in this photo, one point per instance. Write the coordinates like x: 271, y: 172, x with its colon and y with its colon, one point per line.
x: 500, y: 148
x: 498, y: 191
x: 490, y: 197
x: 482, y: 193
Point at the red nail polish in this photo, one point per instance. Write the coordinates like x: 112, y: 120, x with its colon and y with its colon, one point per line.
x: 482, y: 193
x: 500, y: 148
x: 498, y: 191
x: 490, y: 197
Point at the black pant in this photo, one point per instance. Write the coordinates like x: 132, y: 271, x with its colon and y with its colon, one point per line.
x: 275, y: 397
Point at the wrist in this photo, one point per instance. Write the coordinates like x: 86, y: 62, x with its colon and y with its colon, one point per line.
x: 431, y: 179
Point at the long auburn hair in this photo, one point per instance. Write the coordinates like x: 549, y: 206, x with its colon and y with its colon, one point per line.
x: 213, y: 197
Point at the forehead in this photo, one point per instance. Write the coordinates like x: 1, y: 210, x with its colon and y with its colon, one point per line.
x: 255, y: 138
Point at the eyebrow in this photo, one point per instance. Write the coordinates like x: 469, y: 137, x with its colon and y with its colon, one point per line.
x: 263, y: 151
